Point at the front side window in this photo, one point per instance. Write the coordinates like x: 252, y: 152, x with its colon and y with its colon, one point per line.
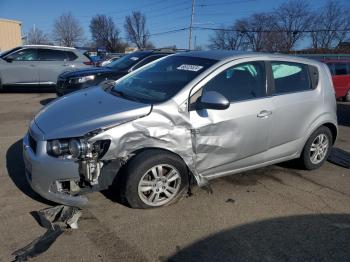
x: 340, y: 69
x: 160, y: 81
x: 52, y: 55
x: 25, y: 55
x: 241, y: 82
x: 290, y: 77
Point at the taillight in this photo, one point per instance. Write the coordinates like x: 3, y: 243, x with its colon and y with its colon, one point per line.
x: 88, y: 63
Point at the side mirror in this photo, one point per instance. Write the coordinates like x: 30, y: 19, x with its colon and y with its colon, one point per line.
x: 9, y: 58
x: 212, y: 100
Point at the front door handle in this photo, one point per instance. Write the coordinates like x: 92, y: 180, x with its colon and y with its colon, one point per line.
x: 264, y: 114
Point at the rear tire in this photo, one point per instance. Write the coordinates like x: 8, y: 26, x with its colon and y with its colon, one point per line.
x: 317, y: 148
x: 153, y: 178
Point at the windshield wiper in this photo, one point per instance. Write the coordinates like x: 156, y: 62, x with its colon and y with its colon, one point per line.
x: 122, y: 94
x: 117, y: 92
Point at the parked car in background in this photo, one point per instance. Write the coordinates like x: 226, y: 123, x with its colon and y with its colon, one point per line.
x: 38, y: 65
x: 79, y: 79
x: 340, y: 70
x: 204, y: 114
x: 110, y: 59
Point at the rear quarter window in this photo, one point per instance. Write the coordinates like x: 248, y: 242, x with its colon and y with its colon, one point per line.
x: 71, y: 56
x: 291, y: 77
x: 52, y: 55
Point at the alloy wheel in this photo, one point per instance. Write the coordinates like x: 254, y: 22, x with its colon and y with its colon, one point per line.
x: 159, y: 185
x: 319, y: 149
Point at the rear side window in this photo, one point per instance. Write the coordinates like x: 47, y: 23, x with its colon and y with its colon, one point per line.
x: 290, y: 77
x: 241, y: 82
x: 340, y: 69
x: 52, y: 55
x: 71, y: 56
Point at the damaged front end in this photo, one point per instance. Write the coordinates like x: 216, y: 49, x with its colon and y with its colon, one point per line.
x: 91, y: 168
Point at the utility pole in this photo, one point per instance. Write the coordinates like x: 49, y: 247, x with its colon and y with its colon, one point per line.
x: 191, y: 24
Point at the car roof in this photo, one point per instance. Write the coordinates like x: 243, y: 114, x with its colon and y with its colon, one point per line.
x: 50, y: 47
x: 336, y: 61
x: 221, y: 55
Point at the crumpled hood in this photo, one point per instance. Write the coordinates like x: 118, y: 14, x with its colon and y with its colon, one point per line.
x: 76, y: 114
x: 86, y: 72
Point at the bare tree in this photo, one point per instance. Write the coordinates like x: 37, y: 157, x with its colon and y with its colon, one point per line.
x: 105, y: 33
x: 256, y: 32
x: 292, y: 18
x: 136, y: 32
x: 228, y: 38
x: 35, y: 36
x: 67, y: 30
x: 262, y: 33
x: 334, y: 18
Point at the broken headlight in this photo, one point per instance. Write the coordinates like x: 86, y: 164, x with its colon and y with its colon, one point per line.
x: 77, y: 148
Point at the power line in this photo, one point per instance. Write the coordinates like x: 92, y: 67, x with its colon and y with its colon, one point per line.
x: 169, y: 32
x: 226, y: 3
x: 271, y: 31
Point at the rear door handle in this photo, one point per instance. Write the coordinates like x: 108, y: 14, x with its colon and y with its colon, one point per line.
x: 264, y: 113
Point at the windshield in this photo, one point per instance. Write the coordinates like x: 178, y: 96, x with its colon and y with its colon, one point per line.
x: 160, y: 81
x: 5, y: 53
x: 126, y: 62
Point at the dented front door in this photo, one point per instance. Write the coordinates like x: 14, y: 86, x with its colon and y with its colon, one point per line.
x: 237, y: 137
x: 224, y: 140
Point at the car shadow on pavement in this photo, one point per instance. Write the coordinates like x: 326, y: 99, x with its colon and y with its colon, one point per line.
x: 16, y: 171
x: 27, y: 89
x: 322, y: 237
x: 343, y: 112
x: 44, y: 102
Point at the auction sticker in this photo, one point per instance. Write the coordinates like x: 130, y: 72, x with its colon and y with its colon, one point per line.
x: 193, y: 68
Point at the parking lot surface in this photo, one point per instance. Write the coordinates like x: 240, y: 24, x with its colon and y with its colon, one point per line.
x: 277, y: 213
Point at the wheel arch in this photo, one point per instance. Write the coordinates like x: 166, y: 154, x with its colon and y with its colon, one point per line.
x: 333, y: 128
x: 191, y: 174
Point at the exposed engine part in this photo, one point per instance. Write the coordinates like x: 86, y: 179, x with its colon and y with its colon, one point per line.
x: 89, y: 162
x: 90, y: 169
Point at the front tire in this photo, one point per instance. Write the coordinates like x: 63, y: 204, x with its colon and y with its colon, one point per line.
x: 154, y: 178
x: 317, y: 148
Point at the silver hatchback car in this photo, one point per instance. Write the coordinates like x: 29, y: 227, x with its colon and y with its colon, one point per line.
x: 200, y: 115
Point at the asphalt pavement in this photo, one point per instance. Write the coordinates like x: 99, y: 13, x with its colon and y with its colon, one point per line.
x: 277, y: 213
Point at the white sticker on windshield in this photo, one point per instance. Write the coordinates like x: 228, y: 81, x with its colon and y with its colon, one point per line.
x: 193, y: 68
x: 134, y: 58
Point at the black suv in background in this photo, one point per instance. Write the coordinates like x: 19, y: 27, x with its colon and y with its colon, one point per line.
x: 74, y: 80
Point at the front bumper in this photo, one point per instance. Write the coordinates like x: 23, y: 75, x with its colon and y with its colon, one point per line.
x: 63, y: 87
x: 43, y: 172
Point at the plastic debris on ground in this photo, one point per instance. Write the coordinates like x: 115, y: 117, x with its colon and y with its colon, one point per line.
x: 56, y: 219
x: 340, y: 157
